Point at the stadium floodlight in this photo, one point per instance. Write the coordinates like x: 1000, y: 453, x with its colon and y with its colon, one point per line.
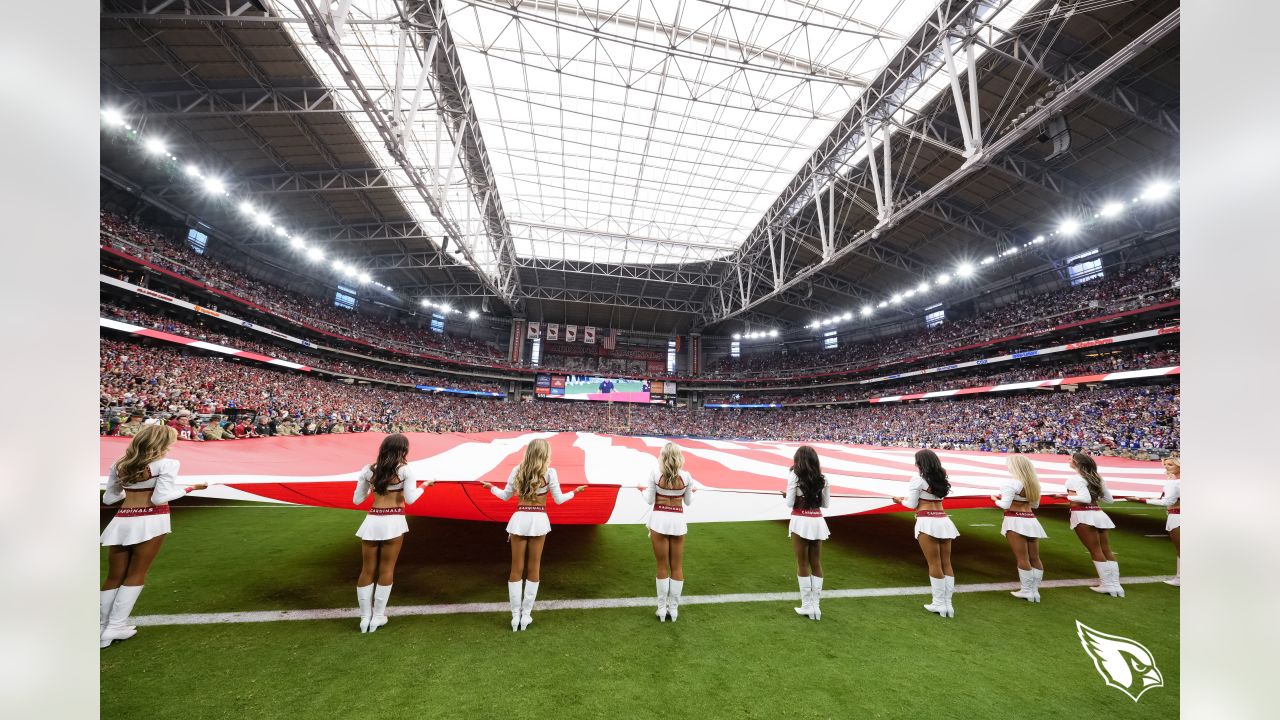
x: 262, y: 219
x: 1111, y: 209
x: 896, y: 299
x: 247, y: 208
x: 472, y: 314
x: 215, y: 186
x: 737, y: 336
x: 192, y: 170
x: 155, y: 146
x: 922, y: 287
x: 426, y: 302
x: 298, y: 243
x: 943, y: 279
x: 964, y: 270
x: 847, y: 316
x: 363, y: 277
x: 883, y: 304
x: 1156, y: 191
x: 773, y: 332
x: 1069, y: 227
x: 112, y: 116
x: 445, y: 309
x: 867, y: 310
x: 988, y: 260
x: 281, y: 231
x: 909, y: 293
x: 1037, y: 240
x: 339, y: 265
x: 315, y: 254
x: 1009, y: 251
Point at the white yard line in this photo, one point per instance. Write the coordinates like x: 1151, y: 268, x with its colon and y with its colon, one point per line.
x: 590, y: 604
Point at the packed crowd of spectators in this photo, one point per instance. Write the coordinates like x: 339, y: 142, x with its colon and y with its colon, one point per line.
x: 1148, y: 284
x: 199, y: 331
x: 174, y: 255
x: 208, y: 398
x: 972, y: 377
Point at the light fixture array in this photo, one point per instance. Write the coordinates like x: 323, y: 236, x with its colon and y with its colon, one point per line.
x: 756, y: 335
x: 1067, y: 227
x: 217, y: 187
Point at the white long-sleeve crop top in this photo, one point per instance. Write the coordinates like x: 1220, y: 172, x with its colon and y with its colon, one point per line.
x: 407, y: 484
x: 918, y: 490
x: 1011, y: 492
x: 652, y: 490
x: 163, y: 484
x: 1078, y: 492
x: 552, y: 486
x: 1172, y: 494
x: 793, y: 491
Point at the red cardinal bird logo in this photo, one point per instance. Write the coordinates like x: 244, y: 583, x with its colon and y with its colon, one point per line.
x: 1125, y: 664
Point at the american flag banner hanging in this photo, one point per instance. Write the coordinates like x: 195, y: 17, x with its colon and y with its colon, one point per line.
x: 610, y: 339
x: 553, y: 331
x: 589, y: 335
x: 570, y: 333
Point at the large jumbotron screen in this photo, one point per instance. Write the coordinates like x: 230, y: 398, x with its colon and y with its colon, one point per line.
x: 606, y: 389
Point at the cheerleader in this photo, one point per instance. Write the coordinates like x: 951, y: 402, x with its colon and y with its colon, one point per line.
x: 527, y: 530
x: 381, y: 534
x: 1171, y: 498
x: 807, y: 493
x: 146, y: 481
x: 1091, y: 524
x: 669, y: 489
x: 934, y: 529
x: 1019, y: 497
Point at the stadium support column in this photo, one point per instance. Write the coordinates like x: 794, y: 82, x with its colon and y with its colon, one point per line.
x: 695, y: 354
x: 515, y: 347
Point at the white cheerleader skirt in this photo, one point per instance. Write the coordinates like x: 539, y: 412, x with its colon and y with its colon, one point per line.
x: 1175, y: 519
x: 131, y: 526
x: 383, y: 524
x: 808, y: 524
x: 529, y: 521
x: 1023, y: 523
x: 1090, y: 515
x: 936, y: 524
x: 667, y: 520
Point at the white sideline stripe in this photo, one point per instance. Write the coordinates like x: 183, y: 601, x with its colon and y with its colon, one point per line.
x: 593, y: 604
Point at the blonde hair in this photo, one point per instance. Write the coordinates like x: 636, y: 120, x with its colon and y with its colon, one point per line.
x: 1021, y: 469
x: 532, y: 472
x: 1175, y: 461
x: 670, y: 460
x: 150, y: 444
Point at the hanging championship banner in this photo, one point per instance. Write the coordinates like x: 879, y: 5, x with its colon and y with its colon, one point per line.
x: 553, y: 331
x: 535, y: 330
x: 570, y: 333
x: 589, y: 335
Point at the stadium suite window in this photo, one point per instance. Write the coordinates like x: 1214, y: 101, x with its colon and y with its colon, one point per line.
x: 197, y: 240
x: 535, y: 353
x: 934, y: 316
x: 671, y: 356
x: 437, y: 323
x: 345, y: 298
x: 735, y: 349
x: 1090, y: 267
x: 830, y: 341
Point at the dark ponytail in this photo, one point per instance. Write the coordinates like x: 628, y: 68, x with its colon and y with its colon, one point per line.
x: 934, y: 474
x: 393, y: 453
x: 1087, y: 467
x: 809, y: 477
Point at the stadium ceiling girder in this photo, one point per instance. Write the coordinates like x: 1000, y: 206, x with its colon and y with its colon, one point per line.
x: 739, y: 290
x: 253, y: 101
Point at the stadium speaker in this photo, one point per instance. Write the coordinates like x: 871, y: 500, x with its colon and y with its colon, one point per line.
x: 444, y: 244
x: 1056, y: 131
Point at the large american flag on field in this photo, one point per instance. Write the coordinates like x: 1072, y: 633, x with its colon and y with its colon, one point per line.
x: 742, y: 478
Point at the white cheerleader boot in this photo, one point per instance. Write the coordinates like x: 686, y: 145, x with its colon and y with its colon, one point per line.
x: 117, y: 619
x: 1027, y: 579
x: 664, y: 588
x: 107, y: 598
x: 939, y: 604
x: 1036, y: 577
x: 673, y: 600
x: 381, y: 594
x: 1176, y: 580
x: 806, y: 596
x: 526, y: 605
x: 1104, y: 574
x: 364, y: 596
x: 513, y: 596
x: 815, y: 596
x: 950, y: 581
x: 1117, y: 590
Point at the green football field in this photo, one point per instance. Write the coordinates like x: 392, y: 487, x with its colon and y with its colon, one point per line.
x: 869, y: 657
x: 572, y: 388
